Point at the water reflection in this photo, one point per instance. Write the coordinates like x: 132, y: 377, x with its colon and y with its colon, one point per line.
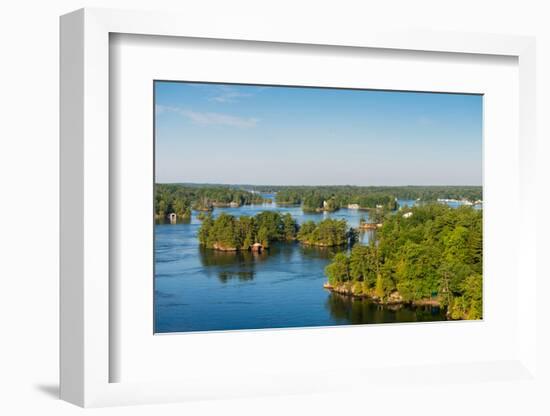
x: 216, y: 258
x: 179, y: 220
x: 242, y: 275
x: 362, y: 311
x: 324, y: 253
x: 229, y: 265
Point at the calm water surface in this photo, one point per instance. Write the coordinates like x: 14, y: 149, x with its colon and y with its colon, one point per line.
x: 198, y: 289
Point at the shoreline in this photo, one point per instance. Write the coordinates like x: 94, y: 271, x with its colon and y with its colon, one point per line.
x: 220, y: 247
x: 393, y: 299
x: 369, y: 226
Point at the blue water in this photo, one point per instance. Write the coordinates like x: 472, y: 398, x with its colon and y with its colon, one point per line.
x: 198, y: 289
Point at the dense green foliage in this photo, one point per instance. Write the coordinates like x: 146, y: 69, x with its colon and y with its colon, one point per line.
x: 202, y: 216
x: 435, y: 253
x: 325, y: 198
x: 239, y: 233
x: 346, y: 194
x: 329, y: 232
x: 377, y: 216
x: 180, y: 199
x: 169, y: 200
x: 331, y: 198
x: 316, y: 201
x: 289, y: 196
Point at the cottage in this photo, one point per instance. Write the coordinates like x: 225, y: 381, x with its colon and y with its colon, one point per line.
x: 353, y: 206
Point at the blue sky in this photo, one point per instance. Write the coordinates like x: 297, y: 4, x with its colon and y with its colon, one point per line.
x: 222, y: 133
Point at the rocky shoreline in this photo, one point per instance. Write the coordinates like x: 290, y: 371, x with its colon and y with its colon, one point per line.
x: 369, y: 226
x: 394, y: 298
x: 256, y: 247
x: 323, y: 245
x: 260, y: 247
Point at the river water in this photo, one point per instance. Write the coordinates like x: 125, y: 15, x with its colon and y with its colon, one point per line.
x: 198, y: 289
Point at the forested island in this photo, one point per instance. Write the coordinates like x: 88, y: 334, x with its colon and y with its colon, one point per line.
x: 430, y: 254
x: 327, y: 233
x: 230, y: 233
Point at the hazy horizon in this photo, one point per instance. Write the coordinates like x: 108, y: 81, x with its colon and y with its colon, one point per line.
x: 292, y: 136
x: 312, y: 185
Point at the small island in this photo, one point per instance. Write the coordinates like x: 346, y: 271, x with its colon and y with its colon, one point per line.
x: 327, y: 233
x: 230, y: 233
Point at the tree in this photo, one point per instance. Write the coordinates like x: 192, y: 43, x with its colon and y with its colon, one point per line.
x: 162, y: 208
x: 363, y: 264
x: 306, y: 230
x: 353, y: 236
x: 247, y: 232
x: 473, y: 296
x: 338, y: 270
x: 327, y: 233
x: 182, y: 208
x: 205, y: 231
x: 263, y: 236
x: 272, y: 223
x: 377, y: 215
x: 290, y: 227
x: 379, y: 289
x: 469, y: 305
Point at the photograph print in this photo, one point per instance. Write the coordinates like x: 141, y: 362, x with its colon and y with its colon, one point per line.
x: 288, y: 206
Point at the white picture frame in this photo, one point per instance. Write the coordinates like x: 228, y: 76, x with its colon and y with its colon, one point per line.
x: 86, y: 327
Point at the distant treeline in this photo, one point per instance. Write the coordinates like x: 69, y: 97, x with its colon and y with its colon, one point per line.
x: 230, y: 233
x: 297, y: 193
x: 321, y: 199
x: 427, y: 253
x: 331, y: 198
x: 181, y: 199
